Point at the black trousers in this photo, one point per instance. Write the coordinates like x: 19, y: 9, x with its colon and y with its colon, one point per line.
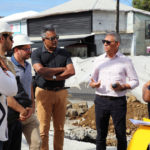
x: 116, y: 108
x: 1, y: 145
x: 14, y: 136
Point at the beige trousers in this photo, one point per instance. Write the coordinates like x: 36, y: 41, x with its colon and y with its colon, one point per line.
x: 51, y: 104
x: 31, y: 132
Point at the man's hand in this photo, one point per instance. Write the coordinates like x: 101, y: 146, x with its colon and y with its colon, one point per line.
x: 24, y: 116
x: 119, y: 87
x: 94, y: 84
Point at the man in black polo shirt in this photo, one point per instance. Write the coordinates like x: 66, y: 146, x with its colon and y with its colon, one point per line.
x: 52, y: 65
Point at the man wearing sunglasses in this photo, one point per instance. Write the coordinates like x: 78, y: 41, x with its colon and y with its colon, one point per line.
x: 109, y: 79
x: 29, y: 122
x: 52, y: 65
x: 8, y: 85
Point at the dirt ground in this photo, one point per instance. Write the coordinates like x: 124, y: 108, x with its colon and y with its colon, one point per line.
x: 135, y: 110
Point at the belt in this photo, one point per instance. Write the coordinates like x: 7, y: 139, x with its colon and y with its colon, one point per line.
x: 111, y: 97
x: 55, y: 88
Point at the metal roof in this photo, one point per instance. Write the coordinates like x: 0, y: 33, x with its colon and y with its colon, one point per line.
x: 73, y: 6
x: 18, y: 16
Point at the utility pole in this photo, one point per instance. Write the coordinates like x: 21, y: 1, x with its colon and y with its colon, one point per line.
x: 117, y: 16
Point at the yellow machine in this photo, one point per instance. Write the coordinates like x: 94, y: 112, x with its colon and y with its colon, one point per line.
x: 141, y: 137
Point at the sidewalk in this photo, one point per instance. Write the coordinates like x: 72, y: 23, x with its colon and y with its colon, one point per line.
x: 68, y: 144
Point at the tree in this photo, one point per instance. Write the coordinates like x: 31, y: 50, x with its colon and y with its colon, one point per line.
x: 141, y: 4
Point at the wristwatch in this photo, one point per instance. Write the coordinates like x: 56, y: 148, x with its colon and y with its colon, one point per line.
x: 54, y: 77
x: 148, y: 87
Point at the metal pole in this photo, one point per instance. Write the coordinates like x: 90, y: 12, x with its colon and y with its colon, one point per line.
x: 117, y: 16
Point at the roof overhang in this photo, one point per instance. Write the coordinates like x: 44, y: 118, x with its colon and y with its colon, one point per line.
x: 65, y: 37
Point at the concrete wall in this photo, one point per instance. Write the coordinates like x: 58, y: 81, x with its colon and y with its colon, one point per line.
x: 139, y: 30
x: 105, y: 21
x: 130, y: 22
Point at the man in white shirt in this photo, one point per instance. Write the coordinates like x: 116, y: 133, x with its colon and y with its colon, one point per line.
x: 109, y: 79
x: 8, y: 85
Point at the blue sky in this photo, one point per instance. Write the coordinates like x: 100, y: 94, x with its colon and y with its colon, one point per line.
x: 8, y: 7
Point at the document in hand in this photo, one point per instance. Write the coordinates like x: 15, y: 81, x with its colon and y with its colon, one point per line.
x: 140, y: 122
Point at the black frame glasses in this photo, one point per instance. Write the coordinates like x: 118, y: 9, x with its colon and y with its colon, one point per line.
x: 107, y: 42
x: 26, y: 49
x: 53, y: 38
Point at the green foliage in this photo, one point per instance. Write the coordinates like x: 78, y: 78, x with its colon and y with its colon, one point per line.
x: 141, y: 4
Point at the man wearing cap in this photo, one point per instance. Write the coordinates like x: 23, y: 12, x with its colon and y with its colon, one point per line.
x: 30, y: 124
x: 8, y: 85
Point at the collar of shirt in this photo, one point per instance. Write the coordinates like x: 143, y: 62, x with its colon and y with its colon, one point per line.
x: 17, y: 64
x: 44, y: 50
x: 116, y: 55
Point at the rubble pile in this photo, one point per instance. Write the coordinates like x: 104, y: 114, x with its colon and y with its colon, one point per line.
x: 84, y: 119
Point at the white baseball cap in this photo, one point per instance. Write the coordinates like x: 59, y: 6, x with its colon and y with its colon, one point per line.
x: 21, y: 39
x: 5, y: 27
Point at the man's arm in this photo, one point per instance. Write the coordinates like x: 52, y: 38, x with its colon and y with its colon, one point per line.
x: 12, y: 103
x: 146, y: 92
x: 32, y: 98
x: 69, y: 71
x: 46, y: 72
x: 131, y: 75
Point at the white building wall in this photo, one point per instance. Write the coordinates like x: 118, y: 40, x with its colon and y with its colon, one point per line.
x: 130, y: 22
x: 139, y: 30
x: 105, y: 21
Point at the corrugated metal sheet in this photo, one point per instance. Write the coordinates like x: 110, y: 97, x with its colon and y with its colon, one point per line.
x: 87, y: 5
x: 79, y: 23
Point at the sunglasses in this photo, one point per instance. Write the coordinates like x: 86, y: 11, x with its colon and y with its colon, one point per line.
x: 107, y: 42
x: 11, y: 38
x: 7, y: 35
x: 53, y: 38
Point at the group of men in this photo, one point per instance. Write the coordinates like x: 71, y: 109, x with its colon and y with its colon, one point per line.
x: 52, y: 67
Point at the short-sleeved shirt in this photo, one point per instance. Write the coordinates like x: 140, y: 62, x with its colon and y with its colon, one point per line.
x: 25, y: 75
x: 59, y: 58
